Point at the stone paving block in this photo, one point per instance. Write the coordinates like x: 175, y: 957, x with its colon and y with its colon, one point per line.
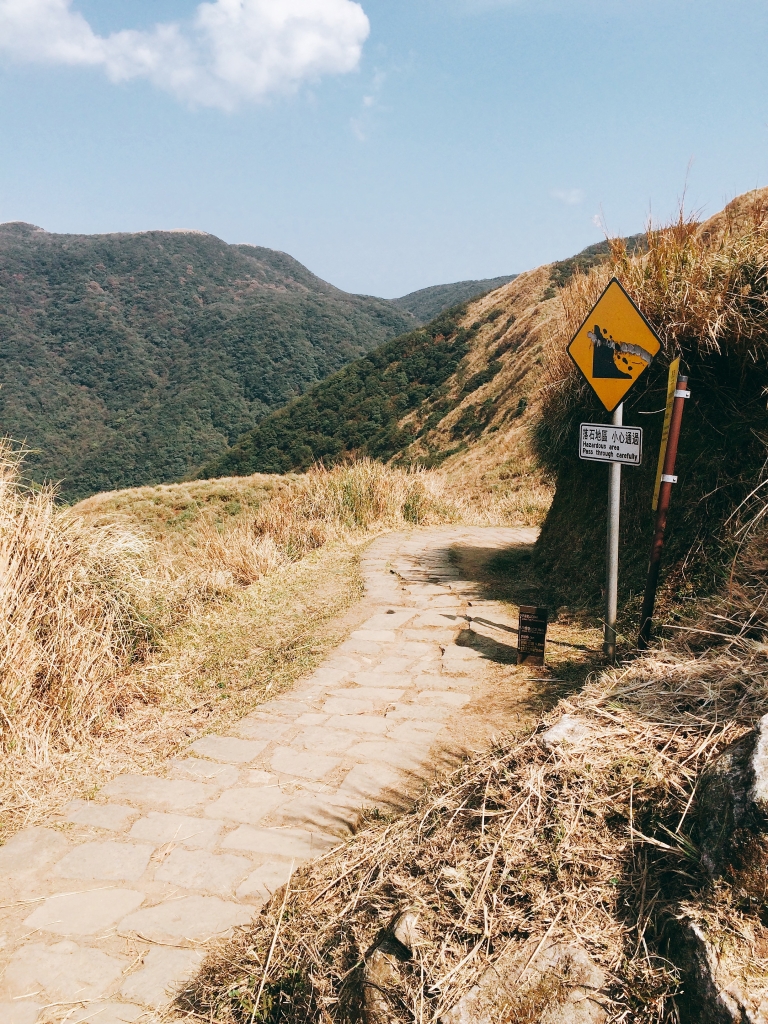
x: 287, y: 708
x: 163, y: 794
x: 331, y: 813
x: 287, y: 843
x: 20, y: 1013
x: 432, y: 633
x: 415, y: 731
x: 393, y: 665
x: 303, y: 764
x: 360, y: 648
x: 312, y: 718
x: 229, y: 749
x: 84, y: 913
x: 245, y: 805
x: 63, y: 971
x: 436, y: 619
x: 115, y: 862
x: 366, y: 782
x: 348, y: 705
x: 108, y: 1013
x: 261, y: 884
x: 323, y: 740
x: 110, y: 816
x: 381, y: 695
x: 360, y: 725
x: 215, y: 873
x: 189, y: 921
x: 257, y: 777
x: 31, y: 850
x: 408, y: 756
x: 424, y: 712
x: 378, y: 636
x: 388, y: 620
x: 451, y: 698
x: 198, y: 770
x: 433, y: 681
x: 258, y: 729
x: 162, y: 973
x: 160, y: 828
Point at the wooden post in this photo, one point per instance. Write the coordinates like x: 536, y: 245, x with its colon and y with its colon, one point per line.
x: 665, y: 493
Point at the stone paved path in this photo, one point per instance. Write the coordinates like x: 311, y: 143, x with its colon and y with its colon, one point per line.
x: 109, y: 906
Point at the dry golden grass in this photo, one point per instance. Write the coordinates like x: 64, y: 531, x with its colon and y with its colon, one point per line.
x: 130, y: 626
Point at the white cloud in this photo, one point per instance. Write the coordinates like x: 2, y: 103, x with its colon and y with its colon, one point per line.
x: 232, y: 51
x: 569, y: 196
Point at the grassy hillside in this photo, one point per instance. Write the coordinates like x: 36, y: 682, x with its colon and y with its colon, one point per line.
x: 130, y: 359
x: 447, y: 390
x: 427, y: 303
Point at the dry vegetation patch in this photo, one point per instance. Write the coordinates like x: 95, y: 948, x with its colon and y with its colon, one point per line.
x: 135, y: 621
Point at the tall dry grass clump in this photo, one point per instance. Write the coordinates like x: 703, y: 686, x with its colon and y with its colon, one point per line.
x: 321, y: 506
x: 69, y: 616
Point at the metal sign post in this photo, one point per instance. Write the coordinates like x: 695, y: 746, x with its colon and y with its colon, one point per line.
x: 612, y: 550
x: 612, y: 349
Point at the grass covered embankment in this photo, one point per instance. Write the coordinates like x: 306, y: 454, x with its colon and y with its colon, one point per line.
x: 137, y: 619
x: 705, y: 290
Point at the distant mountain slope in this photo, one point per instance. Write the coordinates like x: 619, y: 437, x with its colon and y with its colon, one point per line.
x: 131, y: 358
x: 467, y: 377
x: 427, y: 303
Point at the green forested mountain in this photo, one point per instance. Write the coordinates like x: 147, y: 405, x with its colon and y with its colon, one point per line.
x: 359, y: 408
x: 132, y: 358
x: 427, y: 303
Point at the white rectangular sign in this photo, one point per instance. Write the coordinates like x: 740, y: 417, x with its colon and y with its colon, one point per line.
x: 602, y: 442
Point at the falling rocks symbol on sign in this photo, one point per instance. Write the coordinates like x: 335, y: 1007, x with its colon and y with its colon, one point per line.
x: 603, y: 353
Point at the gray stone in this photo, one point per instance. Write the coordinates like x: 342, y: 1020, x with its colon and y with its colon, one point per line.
x: 312, y: 718
x: 162, y: 973
x: 286, y: 843
x: 436, y: 619
x: 257, y: 777
x: 570, y: 731
x: 377, y: 636
x: 30, y: 851
x: 109, y: 816
x: 388, y: 620
x: 245, y: 805
x: 260, y: 885
x: 451, y: 698
x: 323, y: 740
x: 160, y: 828
x: 118, y: 862
x: 415, y: 731
x: 108, y: 1013
x: 381, y: 695
x: 368, y: 725
x: 189, y: 921
x: 19, y: 1013
x: 84, y: 913
x: 258, y: 729
x: 324, y: 812
x: 64, y: 971
x: 357, y: 705
x: 501, y: 992
x: 758, y: 793
x: 215, y: 873
x: 163, y: 794
x: 290, y: 761
x: 366, y: 782
x: 229, y: 749
x: 409, y: 756
x: 195, y: 768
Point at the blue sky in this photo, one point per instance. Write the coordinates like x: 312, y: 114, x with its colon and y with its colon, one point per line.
x: 391, y: 145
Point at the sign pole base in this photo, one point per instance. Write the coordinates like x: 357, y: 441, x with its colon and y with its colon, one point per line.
x: 612, y: 552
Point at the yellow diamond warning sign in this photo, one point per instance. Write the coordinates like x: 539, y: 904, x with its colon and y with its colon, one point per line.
x: 614, y: 346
